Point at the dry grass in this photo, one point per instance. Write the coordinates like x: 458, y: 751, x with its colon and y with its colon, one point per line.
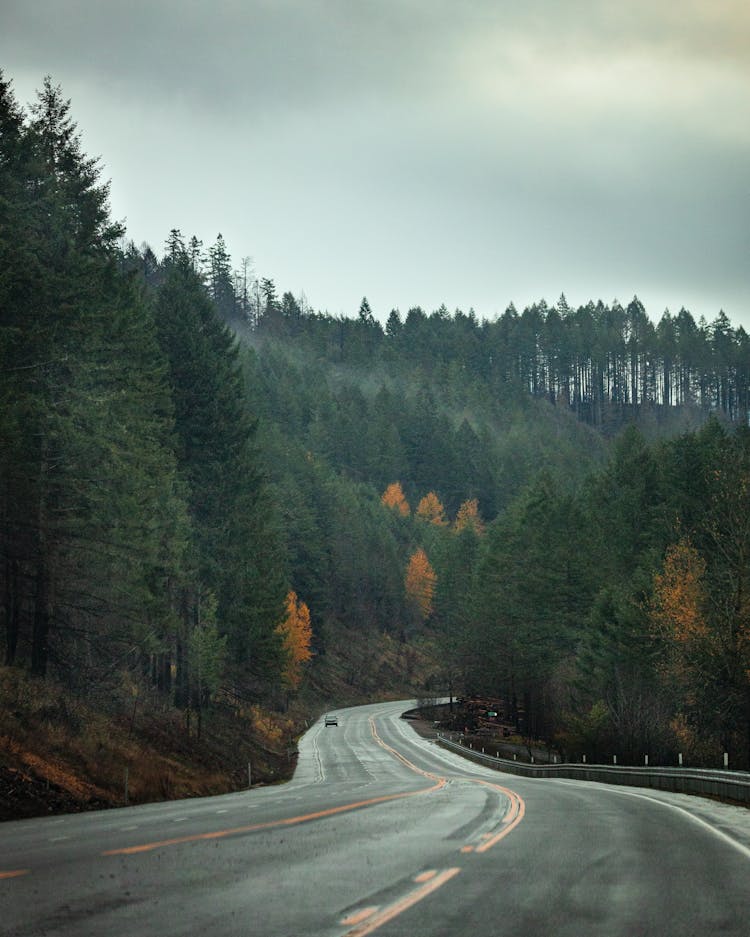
x: 59, y: 753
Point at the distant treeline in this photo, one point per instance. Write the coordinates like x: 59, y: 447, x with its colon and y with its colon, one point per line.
x: 605, y: 362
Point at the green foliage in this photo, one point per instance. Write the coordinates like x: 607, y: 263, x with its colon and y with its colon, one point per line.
x: 91, y: 506
x: 237, y: 537
x: 207, y: 650
x: 131, y: 489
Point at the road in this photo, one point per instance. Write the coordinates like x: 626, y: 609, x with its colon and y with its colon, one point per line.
x: 380, y: 832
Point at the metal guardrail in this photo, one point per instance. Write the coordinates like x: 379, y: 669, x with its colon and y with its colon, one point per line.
x: 726, y: 785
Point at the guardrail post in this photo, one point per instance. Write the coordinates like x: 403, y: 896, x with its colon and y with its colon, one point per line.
x: 726, y: 759
x: 614, y: 759
x: 645, y: 760
x: 679, y: 759
x: 707, y: 780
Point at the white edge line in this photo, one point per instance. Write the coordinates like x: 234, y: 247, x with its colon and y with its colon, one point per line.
x: 612, y: 789
x: 740, y: 847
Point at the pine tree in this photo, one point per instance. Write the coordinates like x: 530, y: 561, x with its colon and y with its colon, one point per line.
x: 431, y: 510
x: 238, y: 539
x: 393, y: 498
x: 90, y: 504
x: 296, y: 635
x: 419, y: 583
x: 220, y: 281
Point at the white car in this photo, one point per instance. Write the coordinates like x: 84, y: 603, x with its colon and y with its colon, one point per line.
x: 332, y: 720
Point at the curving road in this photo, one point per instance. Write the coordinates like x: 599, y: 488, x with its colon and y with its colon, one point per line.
x: 383, y: 832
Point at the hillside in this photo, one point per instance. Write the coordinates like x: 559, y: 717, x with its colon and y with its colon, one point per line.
x: 223, y: 512
x: 60, y: 753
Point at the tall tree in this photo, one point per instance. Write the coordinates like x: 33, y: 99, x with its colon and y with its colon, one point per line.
x: 393, y: 497
x: 296, y: 634
x: 237, y: 536
x: 91, y: 508
x: 419, y: 583
x: 431, y: 510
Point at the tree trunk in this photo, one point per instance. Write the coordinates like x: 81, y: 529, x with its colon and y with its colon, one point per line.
x: 43, y: 593
x: 11, y: 607
x: 42, y: 617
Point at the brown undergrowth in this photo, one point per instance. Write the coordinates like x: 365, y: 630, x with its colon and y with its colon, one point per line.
x: 62, y: 753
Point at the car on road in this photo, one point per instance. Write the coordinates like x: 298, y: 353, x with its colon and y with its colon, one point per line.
x: 332, y: 720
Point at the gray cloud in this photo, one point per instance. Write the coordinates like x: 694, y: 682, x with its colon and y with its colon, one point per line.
x: 423, y: 151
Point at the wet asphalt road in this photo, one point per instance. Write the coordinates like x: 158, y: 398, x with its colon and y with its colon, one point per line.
x: 379, y: 832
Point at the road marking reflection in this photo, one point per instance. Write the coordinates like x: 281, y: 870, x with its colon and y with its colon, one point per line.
x: 358, y: 916
x: 403, y: 904
x: 270, y: 824
x: 511, y: 819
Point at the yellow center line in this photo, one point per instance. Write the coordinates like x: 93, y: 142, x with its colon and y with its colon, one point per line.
x: 358, y: 916
x: 402, y: 758
x: 16, y: 873
x: 270, y: 824
x: 398, y: 907
x: 511, y: 820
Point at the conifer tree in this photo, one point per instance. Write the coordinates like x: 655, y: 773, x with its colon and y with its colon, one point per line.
x: 296, y: 634
x: 393, y: 497
x: 237, y: 535
x: 431, y: 510
x: 91, y: 507
x: 419, y: 583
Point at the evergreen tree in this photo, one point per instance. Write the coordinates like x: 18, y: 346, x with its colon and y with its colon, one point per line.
x: 91, y: 509
x: 237, y: 534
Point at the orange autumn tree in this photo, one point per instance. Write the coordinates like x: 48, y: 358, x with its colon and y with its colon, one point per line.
x: 431, y: 510
x: 296, y: 635
x: 420, y: 582
x: 676, y: 606
x: 468, y: 517
x: 393, y: 497
x: 677, y: 613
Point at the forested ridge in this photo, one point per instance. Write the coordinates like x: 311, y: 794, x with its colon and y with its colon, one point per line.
x: 210, y: 493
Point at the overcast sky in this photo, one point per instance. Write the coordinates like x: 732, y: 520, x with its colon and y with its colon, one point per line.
x: 419, y: 152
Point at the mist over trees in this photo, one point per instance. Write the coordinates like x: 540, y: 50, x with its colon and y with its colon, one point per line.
x: 206, y: 486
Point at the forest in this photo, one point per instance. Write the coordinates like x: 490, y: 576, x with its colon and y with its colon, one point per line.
x: 208, y: 488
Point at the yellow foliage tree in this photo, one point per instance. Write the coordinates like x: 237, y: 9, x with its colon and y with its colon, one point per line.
x: 296, y: 635
x: 468, y: 516
x: 420, y: 582
x: 431, y: 510
x: 676, y: 607
x: 677, y: 616
x: 393, y: 497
